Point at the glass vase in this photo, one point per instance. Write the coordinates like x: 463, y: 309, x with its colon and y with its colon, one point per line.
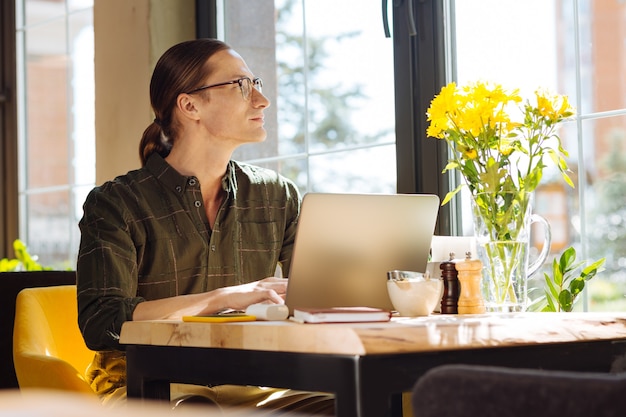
x: 502, y: 225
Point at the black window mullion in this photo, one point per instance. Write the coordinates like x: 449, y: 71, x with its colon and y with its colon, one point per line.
x: 206, y: 19
x: 419, y: 61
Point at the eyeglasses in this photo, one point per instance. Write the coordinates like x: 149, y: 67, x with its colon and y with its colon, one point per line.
x: 245, y: 85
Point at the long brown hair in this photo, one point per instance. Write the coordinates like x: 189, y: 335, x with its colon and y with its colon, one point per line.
x: 181, y: 68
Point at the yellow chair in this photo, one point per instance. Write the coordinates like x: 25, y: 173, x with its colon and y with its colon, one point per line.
x: 48, y: 350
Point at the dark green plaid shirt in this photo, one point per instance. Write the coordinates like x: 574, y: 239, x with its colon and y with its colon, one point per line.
x: 145, y: 236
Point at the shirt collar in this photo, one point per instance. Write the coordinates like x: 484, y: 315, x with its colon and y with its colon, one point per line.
x: 229, y: 182
x: 173, y: 180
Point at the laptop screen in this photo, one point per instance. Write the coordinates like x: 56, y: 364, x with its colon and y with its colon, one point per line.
x: 346, y: 243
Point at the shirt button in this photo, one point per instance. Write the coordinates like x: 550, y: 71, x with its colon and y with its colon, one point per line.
x: 198, y: 203
x: 213, y: 248
x: 179, y: 188
x: 192, y: 182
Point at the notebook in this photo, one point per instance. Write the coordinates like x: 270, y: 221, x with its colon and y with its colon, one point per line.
x: 346, y: 243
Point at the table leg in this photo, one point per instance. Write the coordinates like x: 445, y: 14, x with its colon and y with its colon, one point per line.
x: 139, y: 387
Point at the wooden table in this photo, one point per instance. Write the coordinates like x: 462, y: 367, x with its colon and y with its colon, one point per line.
x: 366, y: 365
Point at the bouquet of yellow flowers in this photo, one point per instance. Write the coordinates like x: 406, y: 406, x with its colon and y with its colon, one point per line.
x: 494, y: 151
x: 501, y: 145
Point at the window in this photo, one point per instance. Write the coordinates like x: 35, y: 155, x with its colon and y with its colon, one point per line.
x: 564, y: 45
x: 55, y: 113
x: 330, y: 81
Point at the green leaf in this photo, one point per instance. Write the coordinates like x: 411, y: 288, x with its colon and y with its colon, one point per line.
x: 21, y: 253
x: 567, y: 258
x: 591, y: 270
x: 567, y: 179
x: 552, y: 291
x: 576, y: 286
x: 566, y: 300
x: 557, y: 273
x: 450, y: 166
x: 572, y: 267
x: 8, y: 265
x: 551, y: 306
x: 451, y: 194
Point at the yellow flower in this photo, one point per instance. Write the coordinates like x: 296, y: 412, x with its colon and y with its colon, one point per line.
x: 551, y: 106
x: 544, y: 105
x: 440, y: 112
x: 470, y: 154
x: 506, y: 141
x: 436, y: 130
x: 565, y: 110
x: 505, y: 147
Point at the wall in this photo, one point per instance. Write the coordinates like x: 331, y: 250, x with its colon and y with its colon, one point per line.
x: 130, y: 35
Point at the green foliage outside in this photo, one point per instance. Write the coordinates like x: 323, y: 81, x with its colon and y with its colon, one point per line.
x: 323, y: 119
x: 23, y: 261
x: 607, y: 228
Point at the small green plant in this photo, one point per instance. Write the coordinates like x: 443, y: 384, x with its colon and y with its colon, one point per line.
x: 566, y: 283
x: 23, y: 260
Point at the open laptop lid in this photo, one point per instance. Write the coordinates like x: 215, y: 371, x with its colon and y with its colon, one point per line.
x: 346, y: 243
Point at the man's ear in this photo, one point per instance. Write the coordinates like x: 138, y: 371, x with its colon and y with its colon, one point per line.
x: 186, y: 104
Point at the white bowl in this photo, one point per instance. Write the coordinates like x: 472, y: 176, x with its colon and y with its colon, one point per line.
x: 414, y: 296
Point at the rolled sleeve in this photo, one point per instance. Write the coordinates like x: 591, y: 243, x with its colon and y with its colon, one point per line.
x: 106, y: 272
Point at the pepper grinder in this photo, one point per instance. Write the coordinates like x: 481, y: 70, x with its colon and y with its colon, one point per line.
x: 470, y: 276
x: 450, y: 286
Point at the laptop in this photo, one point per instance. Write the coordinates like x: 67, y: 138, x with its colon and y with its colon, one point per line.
x: 346, y: 243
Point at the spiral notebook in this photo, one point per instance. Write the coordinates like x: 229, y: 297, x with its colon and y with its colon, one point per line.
x: 346, y: 243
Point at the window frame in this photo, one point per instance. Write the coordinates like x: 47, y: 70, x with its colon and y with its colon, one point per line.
x: 8, y: 130
x: 420, y: 63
